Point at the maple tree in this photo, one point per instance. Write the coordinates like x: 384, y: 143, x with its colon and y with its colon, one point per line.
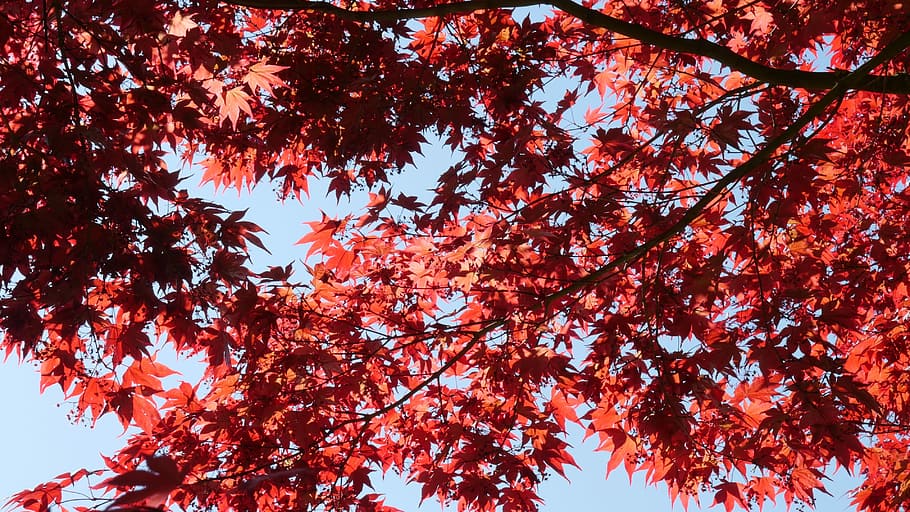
x: 678, y: 224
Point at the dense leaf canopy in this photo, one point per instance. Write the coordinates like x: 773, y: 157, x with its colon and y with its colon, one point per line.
x: 679, y: 224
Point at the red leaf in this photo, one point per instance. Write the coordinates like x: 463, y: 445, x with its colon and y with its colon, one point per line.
x: 232, y: 102
x: 156, y: 485
x: 730, y: 495
x: 262, y: 76
x: 180, y: 24
x: 130, y: 479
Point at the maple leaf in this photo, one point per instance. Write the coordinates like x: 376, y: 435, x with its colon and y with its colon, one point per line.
x: 181, y: 24
x: 154, y: 485
x: 730, y: 495
x: 262, y: 76
x: 232, y: 102
x: 762, y: 21
x: 728, y: 127
x: 730, y: 323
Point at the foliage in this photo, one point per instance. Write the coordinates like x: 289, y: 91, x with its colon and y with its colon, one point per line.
x: 680, y: 225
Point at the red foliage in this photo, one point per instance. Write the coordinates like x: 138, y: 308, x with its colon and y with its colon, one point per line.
x: 679, y: 225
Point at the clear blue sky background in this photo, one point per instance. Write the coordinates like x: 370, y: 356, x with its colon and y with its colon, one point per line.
x: 37, y: 442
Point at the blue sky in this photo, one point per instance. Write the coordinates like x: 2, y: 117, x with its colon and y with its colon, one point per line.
x: 38, y: 441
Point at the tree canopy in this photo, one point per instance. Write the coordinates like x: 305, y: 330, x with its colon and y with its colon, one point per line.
x: 678, y: 224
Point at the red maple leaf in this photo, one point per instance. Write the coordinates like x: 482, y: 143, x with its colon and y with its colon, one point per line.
x: 679, y: 227
x: 262, y: 76
x: 154, y: 486
x: 232, y: 102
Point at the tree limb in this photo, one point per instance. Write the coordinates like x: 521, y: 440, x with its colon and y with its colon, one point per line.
x: 760, y: 158
x: 808, y: 80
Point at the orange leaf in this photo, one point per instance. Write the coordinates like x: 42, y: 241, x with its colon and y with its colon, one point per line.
x: 232, y: 103
x: 262, y: 76
x: 180, y: 24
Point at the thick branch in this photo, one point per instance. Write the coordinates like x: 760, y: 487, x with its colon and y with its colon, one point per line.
x: 761, y: 157
x: 809, y: 80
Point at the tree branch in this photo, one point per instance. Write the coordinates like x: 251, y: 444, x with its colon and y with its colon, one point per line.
x: 761, y: 157
x: 809, y: 80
